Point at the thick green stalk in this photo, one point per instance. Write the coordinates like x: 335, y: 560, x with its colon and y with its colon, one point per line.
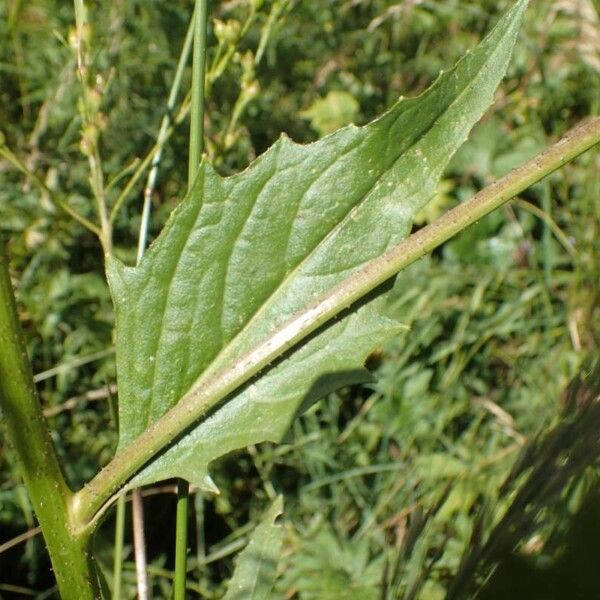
x: 196, y: 147
x: 194, y: 405
x: 27, y: 431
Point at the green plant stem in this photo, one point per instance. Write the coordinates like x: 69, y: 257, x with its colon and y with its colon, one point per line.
x: 276, y: 10
x: 181, y: 538
x: 89, y: 114
x: 118, y: 549
x: 141, y: 167
x: 547, y: 233
x: 154, y: 157
x: 198, y: 82
x: 97, y: 184
x: 16, y: 162
x: 214, y: 387
x: 196, y: 147
x: 550, y: 225
x: 27, y: 431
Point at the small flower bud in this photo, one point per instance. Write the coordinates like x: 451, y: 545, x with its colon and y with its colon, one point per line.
x: 227, y: 32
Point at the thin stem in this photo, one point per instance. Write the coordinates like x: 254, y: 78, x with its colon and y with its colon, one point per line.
x: 198, y: 72
x: 276, y: 11
x: 14, y: 160
x: 91, y: 127
x: 124, y: 172
x: 23, y: 537
x: 97, y: 184
x: 141, y: 167
x: 118, y: 550
x: 155, y: 155
x: 546, y: 235
x: 150, y: 159
x: 212, y: 390
x: 196, y: 148
x: 39, y: 466
x: 551, y: 227
x: 181, y: 537
x: 72, y: 365
x: 139, y: 543
x: 200, y: 540
x: 199, y: 591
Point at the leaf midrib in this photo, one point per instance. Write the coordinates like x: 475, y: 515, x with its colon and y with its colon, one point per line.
x: 230, y: 346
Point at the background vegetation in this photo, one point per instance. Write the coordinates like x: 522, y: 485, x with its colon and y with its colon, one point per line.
x: 391, y: 488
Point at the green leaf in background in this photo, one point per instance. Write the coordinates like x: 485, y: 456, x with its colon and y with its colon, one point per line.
x: 327, y: 114
x: 242, y: 254
x: 256, y: 568
x: 327, y: 567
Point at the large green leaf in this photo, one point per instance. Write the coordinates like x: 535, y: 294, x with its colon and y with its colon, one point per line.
x: 242, y: 254
x: 256, y: 568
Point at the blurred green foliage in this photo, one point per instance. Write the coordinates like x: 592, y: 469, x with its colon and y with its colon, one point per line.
x: 385, y: 484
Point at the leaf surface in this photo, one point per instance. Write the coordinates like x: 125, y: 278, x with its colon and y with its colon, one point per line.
x: 256, y: 567
x: 242, y: 254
